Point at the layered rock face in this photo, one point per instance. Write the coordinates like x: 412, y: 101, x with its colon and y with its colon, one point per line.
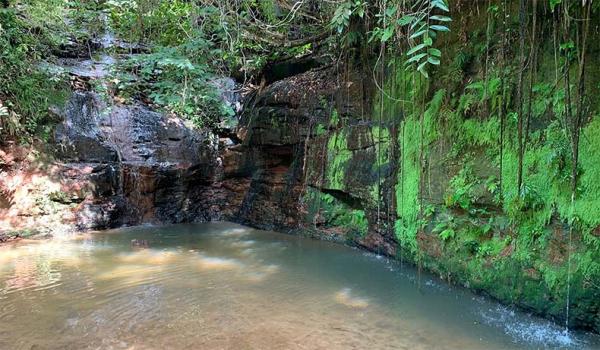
x: 318, y: 167
x: 138, y: 166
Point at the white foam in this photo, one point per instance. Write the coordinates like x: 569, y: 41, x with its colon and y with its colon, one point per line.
x: 528, y: 328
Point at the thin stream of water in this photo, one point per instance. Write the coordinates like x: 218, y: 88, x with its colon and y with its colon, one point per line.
x: 225, y: 286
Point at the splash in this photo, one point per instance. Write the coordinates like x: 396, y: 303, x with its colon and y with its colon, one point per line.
x: 529, y: 329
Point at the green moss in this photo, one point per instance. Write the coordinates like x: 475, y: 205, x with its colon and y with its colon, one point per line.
x: 338, y: 156
x: 518, y: 251
x: 407, y: 187
x: 409, y: 176
x: 476, y: 227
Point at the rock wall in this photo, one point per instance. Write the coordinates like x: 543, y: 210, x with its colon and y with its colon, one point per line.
x: 115, y: 165
x: 323, y: 156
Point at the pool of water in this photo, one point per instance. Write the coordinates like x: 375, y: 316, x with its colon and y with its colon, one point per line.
x: 225, y: 286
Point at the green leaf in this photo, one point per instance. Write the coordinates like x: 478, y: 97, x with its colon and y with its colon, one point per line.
x: 418, y: 34
x: 447, y: 234
x: 440, y: 4
x: 433, y: 60
x: 387, y: 34
x: 416, y: 58
x: 361, y: 12
x: 441, y: 18
x: 405, y: 20
x: 390, y: 11
x: 421, y: 69
x: 415, y: 49
x: 434, y: 52
x: 418, y: 21
x: 439, y: 28
x: 440, y: 227
x: 554, y: 3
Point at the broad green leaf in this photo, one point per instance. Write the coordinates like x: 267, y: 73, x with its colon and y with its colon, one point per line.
x: 433, y: 60
x: 416, y: 58
x: 405, y: 20
x: 440, y: 4
x: 418, y: 34
x: 434, y: 52
x: 439, y: 28
x: 388, y: 32
x: 441, y: 18
x: 415, y: 49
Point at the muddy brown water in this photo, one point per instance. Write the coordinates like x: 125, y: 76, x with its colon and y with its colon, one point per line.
x: 225, y: 286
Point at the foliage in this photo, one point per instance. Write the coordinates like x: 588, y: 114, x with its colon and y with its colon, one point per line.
x: 461, y: 190
x: 415, y: 24
x: 26, y: 91
x: 446, y: 229
x: 424, y: 26
x: 170, y: 79
x: 159, y: 22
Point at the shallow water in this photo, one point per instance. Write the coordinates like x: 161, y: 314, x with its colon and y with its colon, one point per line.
x: 225, y: 286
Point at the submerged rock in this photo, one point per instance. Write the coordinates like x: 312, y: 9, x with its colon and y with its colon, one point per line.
x: 140, y: 243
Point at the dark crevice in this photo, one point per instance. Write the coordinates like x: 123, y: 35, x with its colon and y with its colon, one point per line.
x: 344, y: 197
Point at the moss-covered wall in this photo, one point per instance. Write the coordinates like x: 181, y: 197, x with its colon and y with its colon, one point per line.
x: 427, y: 169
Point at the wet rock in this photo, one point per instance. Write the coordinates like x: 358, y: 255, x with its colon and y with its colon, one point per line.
x: 133, y: 164
x: 79, y: 138
x: 76, y: 48
x: 107, y: 213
